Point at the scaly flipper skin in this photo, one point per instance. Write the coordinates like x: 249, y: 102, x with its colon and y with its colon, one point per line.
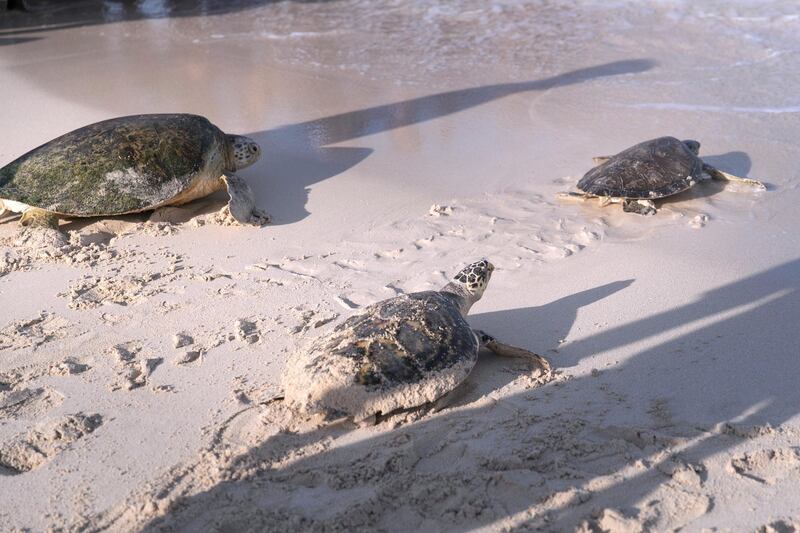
x: 242, y: 205
x: 39, y: 218
x: 569, y: 195
x: 717, y: 174
x: 506, y: 350
x: 581, y: 196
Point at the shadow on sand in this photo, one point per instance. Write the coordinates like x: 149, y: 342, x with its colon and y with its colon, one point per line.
x: 502, y: 459
x: 295, y: 156
x: 736, y: 163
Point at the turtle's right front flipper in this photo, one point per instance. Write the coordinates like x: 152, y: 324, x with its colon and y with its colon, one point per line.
x: 242, y: 205
x: 506, y: 350
x: 717, y: 174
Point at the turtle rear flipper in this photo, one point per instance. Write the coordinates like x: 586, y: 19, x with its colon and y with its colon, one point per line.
x: 717, y: 174
x: 639, y: 206
x: 242, y: 204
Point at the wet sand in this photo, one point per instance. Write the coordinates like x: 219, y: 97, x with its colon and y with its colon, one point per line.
x: 136, y: 359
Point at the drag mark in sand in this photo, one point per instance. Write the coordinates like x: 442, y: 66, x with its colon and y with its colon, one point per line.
x: 34, y: 332
x: 25, y: 452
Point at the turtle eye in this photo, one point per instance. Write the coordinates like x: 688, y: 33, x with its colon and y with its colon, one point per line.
x: 253, y: 148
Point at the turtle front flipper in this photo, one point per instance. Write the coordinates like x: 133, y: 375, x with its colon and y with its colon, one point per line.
x: 242, y: 205
x: 717, y: 174
x: 506, y: 350
x: 35, y: 217
x: 571, y: 195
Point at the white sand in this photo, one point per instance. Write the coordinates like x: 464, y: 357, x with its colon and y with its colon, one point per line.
x: 674, y: 337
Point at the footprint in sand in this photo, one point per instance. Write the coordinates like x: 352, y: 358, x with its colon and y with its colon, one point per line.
x: 27, y: 451
x: 132, y: 373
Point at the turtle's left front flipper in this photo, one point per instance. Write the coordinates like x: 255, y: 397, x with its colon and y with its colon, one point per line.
x: 39, y: 218
x: 242, y: 205
x: 506, y: 350
x: 717, y: 174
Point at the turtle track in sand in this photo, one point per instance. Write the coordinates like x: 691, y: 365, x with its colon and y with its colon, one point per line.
x: 27, y: 451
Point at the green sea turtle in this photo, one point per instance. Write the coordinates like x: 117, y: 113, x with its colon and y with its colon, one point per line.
x: 650, y: 170
x: 397, y: 354
x: 128, y: 165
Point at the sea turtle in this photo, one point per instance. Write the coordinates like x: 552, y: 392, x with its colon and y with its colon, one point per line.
x: 650, y: 170
x: 397, y: 354
x: 128, y: 165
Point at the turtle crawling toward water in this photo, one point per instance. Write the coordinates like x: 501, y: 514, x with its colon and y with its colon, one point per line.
x: 397, y: 354
x: 650, y: 170
x: 129, y: 165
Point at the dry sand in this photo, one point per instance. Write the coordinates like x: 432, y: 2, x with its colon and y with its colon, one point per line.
x: 400, y: 142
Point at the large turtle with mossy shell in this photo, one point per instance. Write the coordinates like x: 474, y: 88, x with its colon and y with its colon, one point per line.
x: 129, y: 165
x: 647, y: 171
x: 397, y: 354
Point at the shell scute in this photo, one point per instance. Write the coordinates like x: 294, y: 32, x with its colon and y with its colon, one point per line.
x: 121, y: 165
x: 651, y: 169
x: 397, y: 353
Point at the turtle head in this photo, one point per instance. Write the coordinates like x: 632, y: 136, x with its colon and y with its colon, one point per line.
x: 242, y: 152
x: 470, y: 282
x: 694, y: 146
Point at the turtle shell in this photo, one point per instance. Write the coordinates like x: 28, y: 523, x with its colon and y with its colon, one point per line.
x: 652, y: 169
x: 116, y: 166
x: 399, y: 353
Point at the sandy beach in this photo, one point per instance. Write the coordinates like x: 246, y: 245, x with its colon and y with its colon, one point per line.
x: 402, y: 141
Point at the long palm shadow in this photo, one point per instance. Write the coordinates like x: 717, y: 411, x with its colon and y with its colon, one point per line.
x: 748, y: 290
x: 740, y: 368
x: 295, y: 157
x: 448, y: 462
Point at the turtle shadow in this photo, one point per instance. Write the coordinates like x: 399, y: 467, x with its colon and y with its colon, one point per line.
x: 297, y: 156
x: 577, y: 437
x: 539, y: 329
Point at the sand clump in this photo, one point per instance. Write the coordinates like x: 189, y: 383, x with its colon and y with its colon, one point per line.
x: 32, y: 247
x: 133, y: 371
x: 768, y: 466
